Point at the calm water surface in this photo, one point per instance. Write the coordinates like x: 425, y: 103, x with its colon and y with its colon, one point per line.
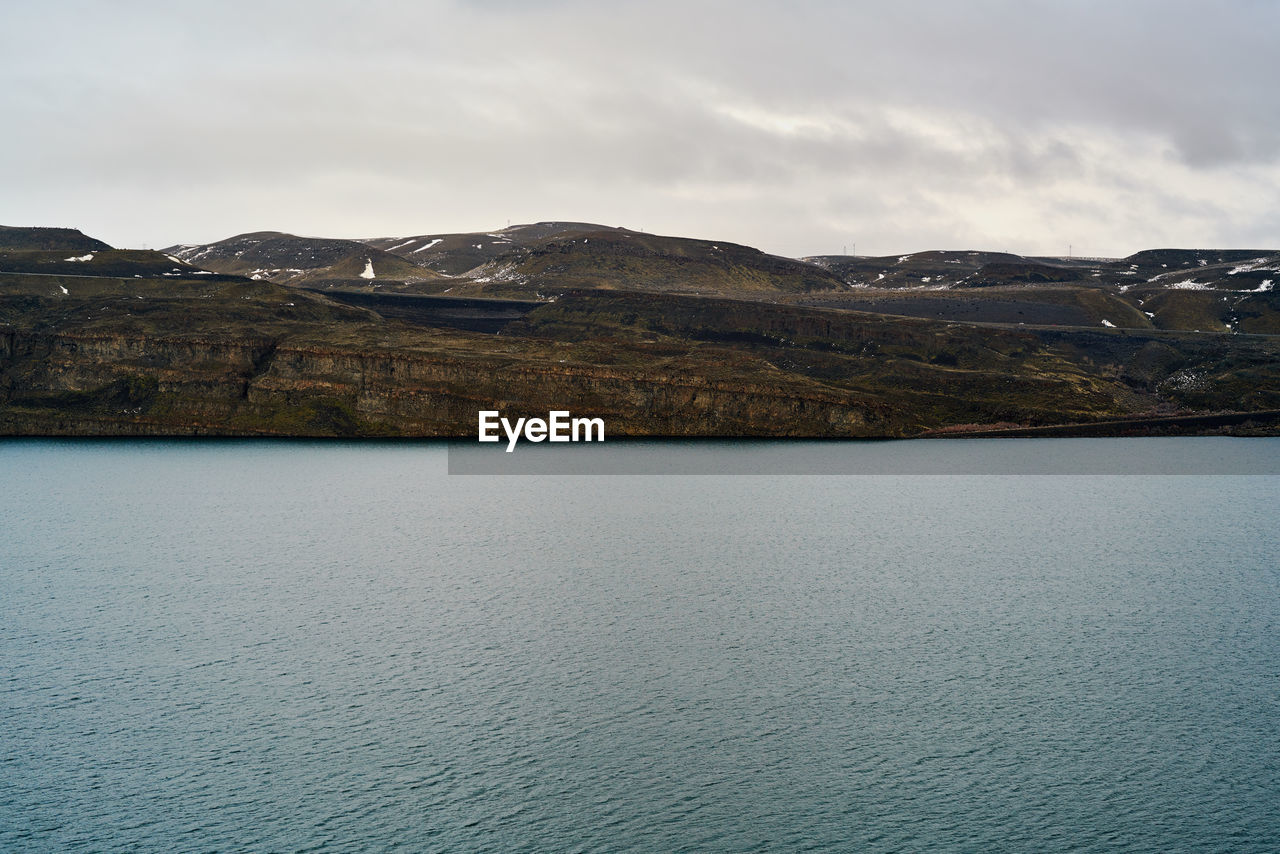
x: 328, y: 647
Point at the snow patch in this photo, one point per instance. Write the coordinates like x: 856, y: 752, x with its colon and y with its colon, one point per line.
x: 368, y: 269
x: 1190, y: 285
x: 64, y: 290
x: 402, y: 245
x: 427, y: 246
x: 1106, y: 322
x: 1257, y: 264
x: 1266, y: 285
x: 88, y: 257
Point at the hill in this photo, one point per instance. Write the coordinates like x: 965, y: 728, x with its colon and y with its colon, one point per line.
x: 459, y: 253
x: 545, y: 258
x: 192, y: 356
x: 289, y: 259
x: 1176, y: 289
x: 137, y: 263
x: 51, y: 239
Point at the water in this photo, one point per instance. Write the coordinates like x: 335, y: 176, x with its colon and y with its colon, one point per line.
x: 339, y: 647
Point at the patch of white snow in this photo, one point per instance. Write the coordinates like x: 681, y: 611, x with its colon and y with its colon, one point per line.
x: 1257, y: 264
x: 368, y: 269
x: 1106, y: 322
x: 427, y: 246
x: 88, y: 257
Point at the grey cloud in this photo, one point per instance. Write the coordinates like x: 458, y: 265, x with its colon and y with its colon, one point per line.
x: 921, y: 119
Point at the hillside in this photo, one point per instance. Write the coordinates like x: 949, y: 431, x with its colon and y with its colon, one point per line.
x: 274, y: 334
x: 293, y: 260
x: 458, y: 254
x: 625, y: 260
x: 196, y: 356
x: 48, y: 239
x: 1176, y: 289
x: 526, y: 261
x: 140, y: 263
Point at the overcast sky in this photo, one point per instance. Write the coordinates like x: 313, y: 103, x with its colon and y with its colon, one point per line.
x: 800, y: 127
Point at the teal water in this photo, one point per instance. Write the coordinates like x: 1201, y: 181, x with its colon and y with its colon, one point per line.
x: 340, y: 647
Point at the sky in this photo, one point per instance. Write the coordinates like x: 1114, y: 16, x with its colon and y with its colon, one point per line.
x: 801, y: 127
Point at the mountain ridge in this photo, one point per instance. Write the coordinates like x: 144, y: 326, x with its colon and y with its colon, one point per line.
x: 1227, y: 290
x: 658, y: 335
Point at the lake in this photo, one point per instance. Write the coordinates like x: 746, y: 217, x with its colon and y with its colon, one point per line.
x: 306, y: 646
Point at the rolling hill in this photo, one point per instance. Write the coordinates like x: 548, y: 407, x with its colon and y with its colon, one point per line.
x: 292, y: 260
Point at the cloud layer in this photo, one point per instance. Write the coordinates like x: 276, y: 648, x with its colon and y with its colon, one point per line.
x: 800, y: 127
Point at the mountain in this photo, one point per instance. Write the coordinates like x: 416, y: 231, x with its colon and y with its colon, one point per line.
x: 68, y: 252
x: 547, y: 257
x: 457, y: 254
x: 935, y: 269
x: 289, y: 259
x: 523, y: 261
x: 286, y: 335
x: 1183, y: 289
x: 51, y: 239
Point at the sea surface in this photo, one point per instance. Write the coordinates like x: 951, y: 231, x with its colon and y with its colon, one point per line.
x: 292, y: 646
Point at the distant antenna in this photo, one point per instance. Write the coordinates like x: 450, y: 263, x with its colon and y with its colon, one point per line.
x: 845, y: 250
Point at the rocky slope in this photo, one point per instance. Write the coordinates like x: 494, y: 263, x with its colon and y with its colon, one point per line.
x: 670, y: 337
x: 192, y: 357
x: 289, y: 259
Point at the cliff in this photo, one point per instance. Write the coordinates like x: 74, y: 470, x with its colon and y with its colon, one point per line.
x: 195, y: 356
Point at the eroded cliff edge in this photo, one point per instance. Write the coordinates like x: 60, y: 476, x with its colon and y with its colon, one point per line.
x: 186, y: 356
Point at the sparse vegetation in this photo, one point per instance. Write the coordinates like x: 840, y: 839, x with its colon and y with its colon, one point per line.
x: 674, y: 337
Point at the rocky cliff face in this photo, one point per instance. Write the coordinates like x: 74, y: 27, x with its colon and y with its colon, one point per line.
x: 92, y: 357
x: 99, y: 384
